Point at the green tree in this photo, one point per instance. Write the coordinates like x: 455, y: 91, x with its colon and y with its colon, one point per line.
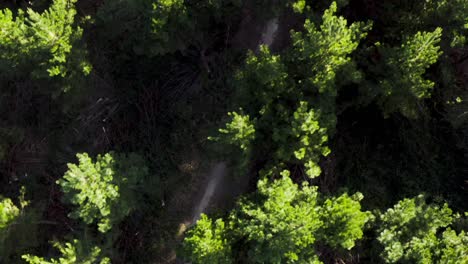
x: 282, y: 223
x: 408, y: 18
x: 292, y: 96
x: 8, y: 212
x: 71, y: 253
x: 343, y: 220
x: 103, y: 191
x: 403, y: 84
x: 322, y: 53
x: 240, y: 132
x: 18, y: 228
x: 46, y: 44
x: 415, y: 232
x: 207, y: 242
x: 285, y: 222
x: 281, y: 226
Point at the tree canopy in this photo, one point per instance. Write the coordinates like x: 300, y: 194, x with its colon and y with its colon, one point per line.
x: 233, y: 131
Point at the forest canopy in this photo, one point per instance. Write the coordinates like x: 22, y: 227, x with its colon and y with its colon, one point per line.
x: 233, y: 131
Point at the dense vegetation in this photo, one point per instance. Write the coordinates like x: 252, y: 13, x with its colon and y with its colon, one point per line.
x: 343, y: 124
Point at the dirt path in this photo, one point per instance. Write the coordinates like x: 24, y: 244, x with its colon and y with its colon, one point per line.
x: 219, y: 189
x: 217, y: 174
x: 269, y: 32
x: 219, y: 170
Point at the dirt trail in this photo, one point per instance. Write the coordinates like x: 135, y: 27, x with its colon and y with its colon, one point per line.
x: 217, y: 173
x: 269, y: 32
x: 219, y: 190
x: 219, y: 170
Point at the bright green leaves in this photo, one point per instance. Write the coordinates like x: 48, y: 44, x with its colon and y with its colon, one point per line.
x: 18, y: 227
x: 305, y: 141
x: 239, y: 132
x: 282, y: 227
x: 206, y: 242
x: 411, y: 213
x: 314, y: 60
x: 411, y: 38
x: 344, y: 220
x: 103, y: 192
x: 283, y: 223
x: 10, y: 35
x: 411, y: 233
x: 299, y: 6
x: 90, y: 186
x: 322, y: 53
x: 454, y: 248
x: 8, y: 212
x: 415, y: 56
x: 102, y: 189
x: 299, y: 137
x: 45, y: 43
x: 311, y: 137
x: 404, y: 83
x: 71, y: 253
x: 54, y: 29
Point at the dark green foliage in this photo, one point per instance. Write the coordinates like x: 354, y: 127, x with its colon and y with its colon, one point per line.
x: 163, y: 26
x: 403, y: 86
x: 119, y: 19
x: 401, y: 156
x: 413, y: 16
x: 170, y: 22
x: 18, y: 228
x: 10, y: 136
x: 397, y: 158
